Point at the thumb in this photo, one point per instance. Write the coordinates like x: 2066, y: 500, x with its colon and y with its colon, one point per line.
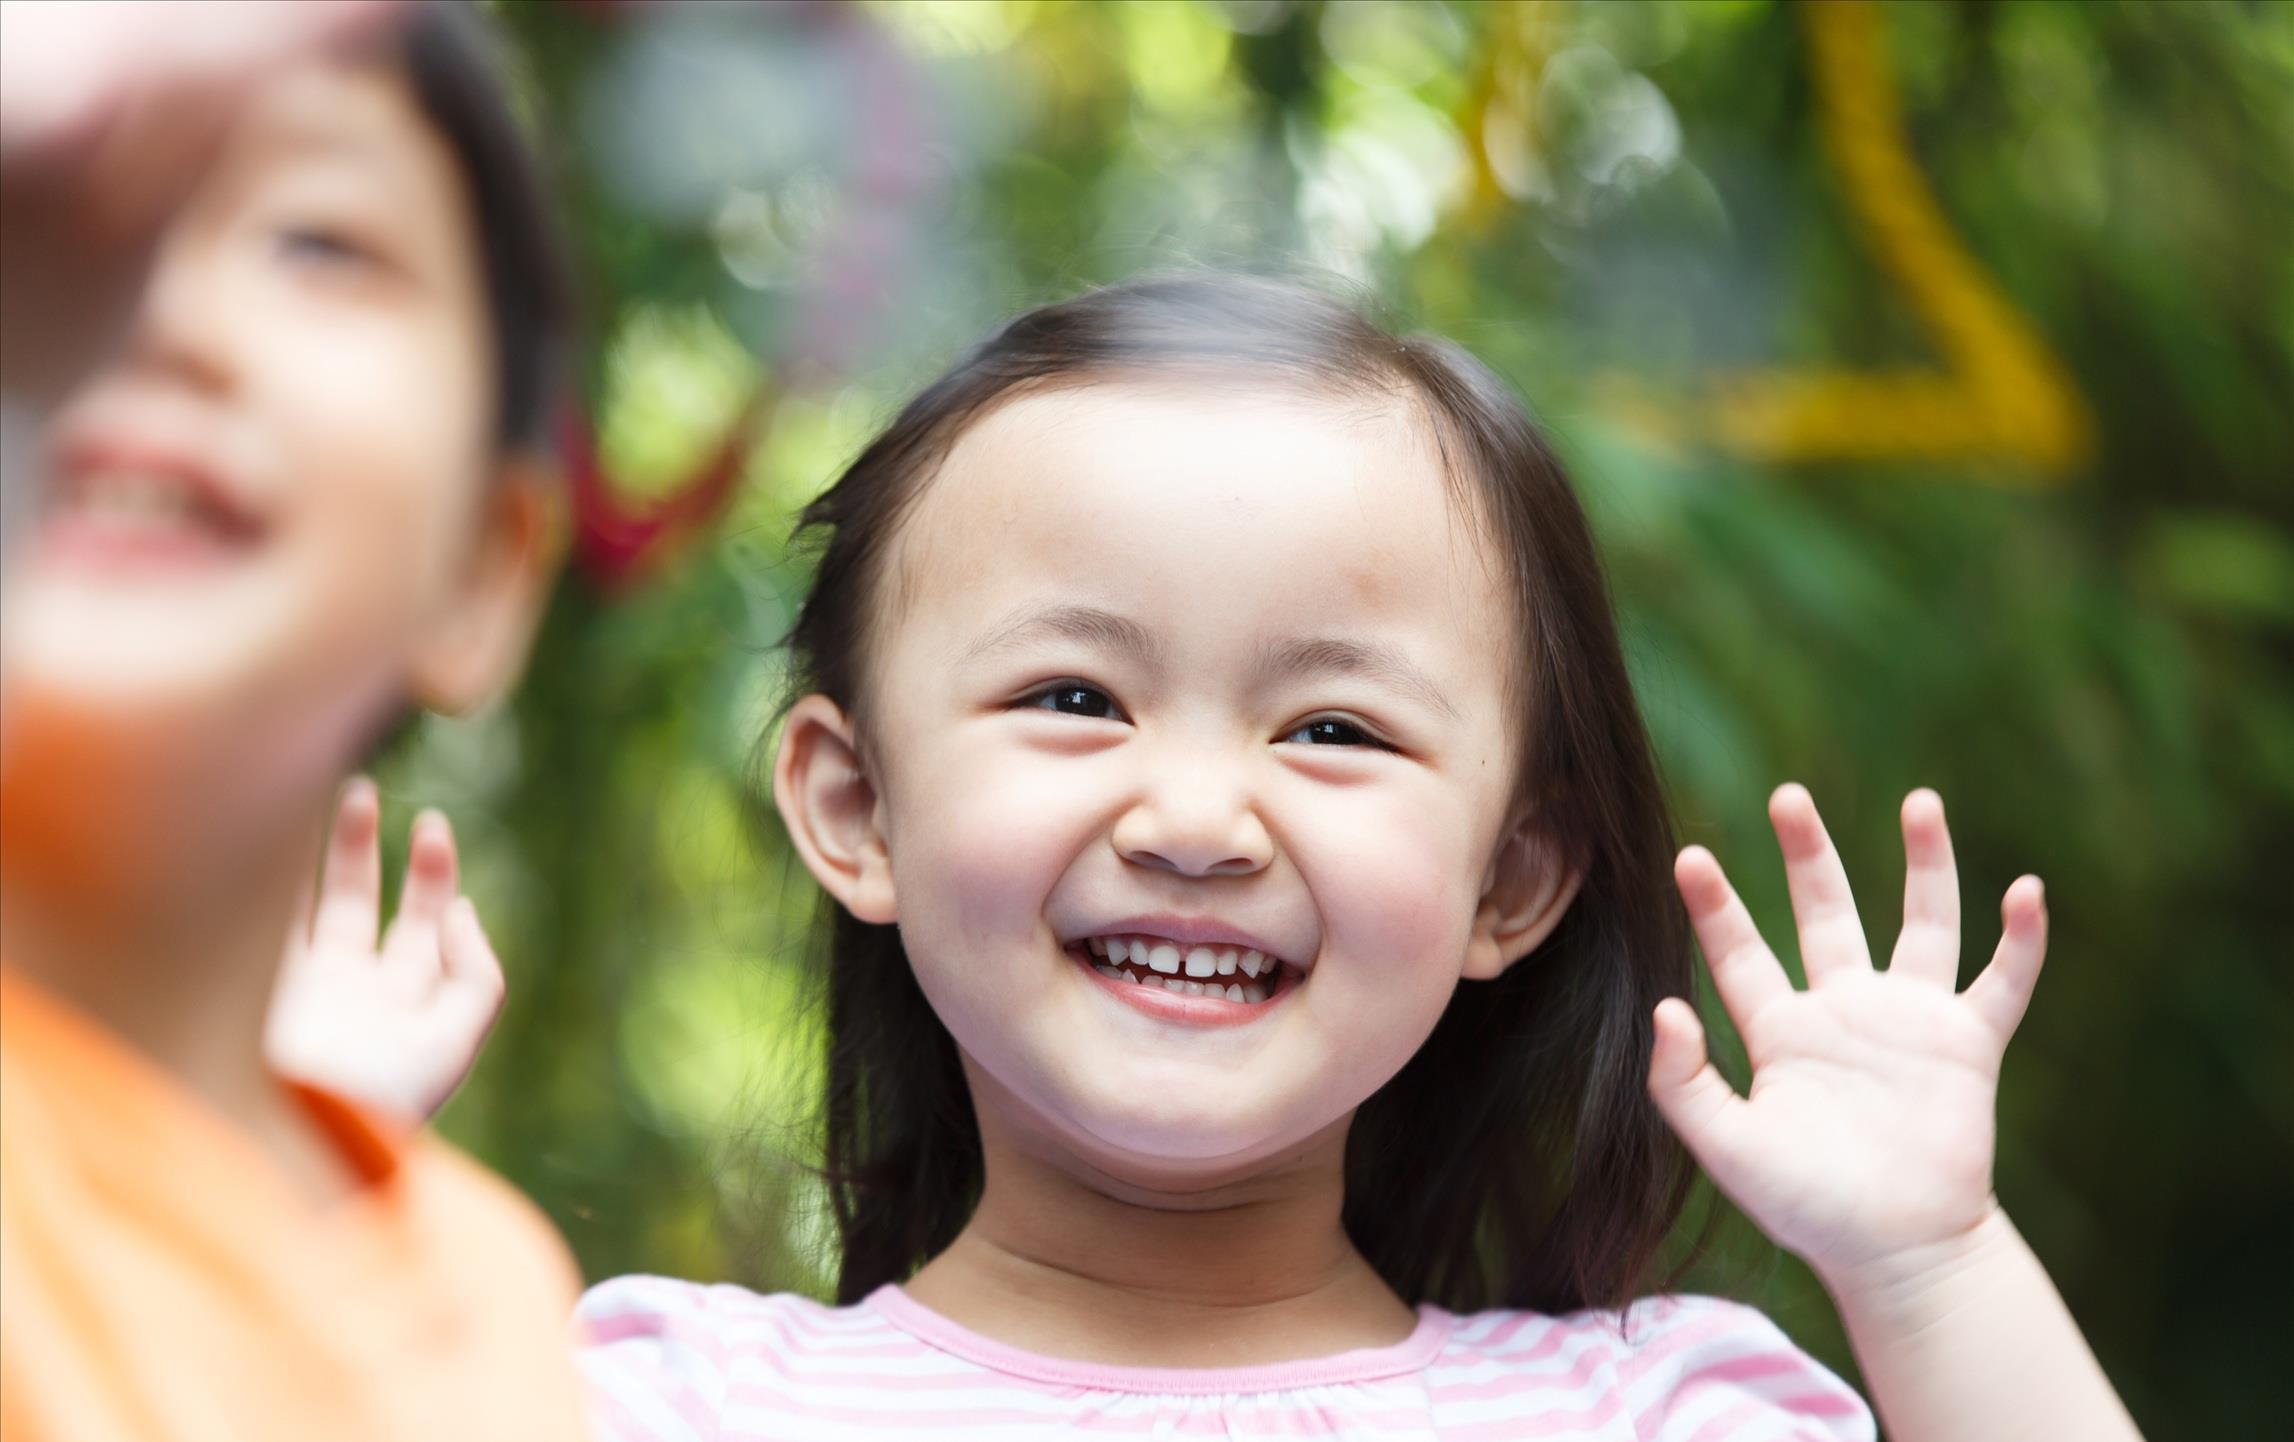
x: 1694, y: 1098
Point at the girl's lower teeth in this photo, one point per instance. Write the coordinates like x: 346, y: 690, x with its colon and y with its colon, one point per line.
x: 1232, y: 991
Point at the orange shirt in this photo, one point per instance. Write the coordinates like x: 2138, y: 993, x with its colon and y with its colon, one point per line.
x: 162, y: 1281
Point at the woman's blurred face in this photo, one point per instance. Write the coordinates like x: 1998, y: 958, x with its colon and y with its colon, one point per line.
x: 251, y: 522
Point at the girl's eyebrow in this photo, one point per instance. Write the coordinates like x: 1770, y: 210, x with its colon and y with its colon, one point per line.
x: 1278, y: 661
x: 1370, y: 660
x: 1088, y: 624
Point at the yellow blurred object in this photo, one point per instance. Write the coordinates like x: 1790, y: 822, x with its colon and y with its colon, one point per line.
x: 2000, y: 393
x: 1499, y: 115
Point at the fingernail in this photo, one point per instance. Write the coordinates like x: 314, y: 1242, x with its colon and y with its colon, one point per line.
x: 360, y: 807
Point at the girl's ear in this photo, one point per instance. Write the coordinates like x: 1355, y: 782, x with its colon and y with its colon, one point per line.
x: 1524, y: 895
x: 478, y: 645
x: 830, y: 808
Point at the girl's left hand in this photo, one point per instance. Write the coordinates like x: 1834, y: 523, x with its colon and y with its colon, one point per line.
x: 1867, y: 1136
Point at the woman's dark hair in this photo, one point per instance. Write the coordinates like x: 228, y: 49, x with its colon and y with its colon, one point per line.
x: 1516, y: 1160
x: 454, y: 64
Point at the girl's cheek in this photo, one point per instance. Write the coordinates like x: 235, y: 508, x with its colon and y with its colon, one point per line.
x: 1397, y: 906
x: 978, y: 842
x: 1395, y: 881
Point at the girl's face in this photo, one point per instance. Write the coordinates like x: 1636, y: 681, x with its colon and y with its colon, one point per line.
x: 1218, y: 673
x: 269, y: 523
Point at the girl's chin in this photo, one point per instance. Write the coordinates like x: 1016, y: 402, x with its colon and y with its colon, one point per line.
x: 1155, y: 1146
x: 1148, y: 1171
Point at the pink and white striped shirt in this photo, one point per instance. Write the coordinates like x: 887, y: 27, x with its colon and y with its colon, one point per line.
x: 679, y: 1362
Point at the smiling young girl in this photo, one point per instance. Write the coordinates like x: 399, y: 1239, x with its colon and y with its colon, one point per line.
x: 1254, y: 960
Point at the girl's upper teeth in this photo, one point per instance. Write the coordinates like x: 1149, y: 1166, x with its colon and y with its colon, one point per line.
x: 1170, y: 958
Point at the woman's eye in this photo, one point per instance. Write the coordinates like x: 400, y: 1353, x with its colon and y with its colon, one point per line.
x: 1330, y: 731
x: 1074, y: 700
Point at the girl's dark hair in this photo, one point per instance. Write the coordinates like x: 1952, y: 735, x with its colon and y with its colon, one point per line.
x: 1516, y: 1160
x: 454, y: 63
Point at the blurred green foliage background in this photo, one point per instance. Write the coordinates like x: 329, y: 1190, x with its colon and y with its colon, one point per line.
x: 2080, y: 635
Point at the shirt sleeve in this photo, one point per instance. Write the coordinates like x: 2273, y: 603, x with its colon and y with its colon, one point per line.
x: 651, y: 1359
x: 1700, y: 1369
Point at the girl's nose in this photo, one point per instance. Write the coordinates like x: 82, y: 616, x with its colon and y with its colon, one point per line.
x: 1196, y: 828
x: 180, y: 328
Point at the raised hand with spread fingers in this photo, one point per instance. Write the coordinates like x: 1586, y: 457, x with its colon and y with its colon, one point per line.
x: 1865, y: 1143
x: 396, y: 1026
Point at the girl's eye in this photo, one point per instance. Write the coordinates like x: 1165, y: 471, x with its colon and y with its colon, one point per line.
x: 1330, y: 731
x: 1072, y: 699
x: 320, y: 246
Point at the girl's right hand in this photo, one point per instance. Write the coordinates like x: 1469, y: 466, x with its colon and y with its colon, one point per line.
x: 395, y: 1026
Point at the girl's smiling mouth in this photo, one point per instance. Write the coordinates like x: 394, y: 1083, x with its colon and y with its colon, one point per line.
x: 1203, y: 983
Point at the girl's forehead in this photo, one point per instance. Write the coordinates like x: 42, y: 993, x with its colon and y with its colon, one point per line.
x: 1186, y: 500
x: 1191, y: 457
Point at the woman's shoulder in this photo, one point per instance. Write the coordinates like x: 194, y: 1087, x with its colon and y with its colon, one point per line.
x: 1671, y: 1366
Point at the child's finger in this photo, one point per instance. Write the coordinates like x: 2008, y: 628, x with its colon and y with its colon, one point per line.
x: 350, y: 886
x: 2003, y: 989
x: 1824, y: 909
x: 471, y: 999
x: 1745, y: 972
x: 1696, y: 1100
x: 1928, y: 948
x: 471, y: 966
x: 412, y: 945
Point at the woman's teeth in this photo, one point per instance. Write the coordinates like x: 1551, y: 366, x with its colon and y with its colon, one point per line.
x: 1150, y: 961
